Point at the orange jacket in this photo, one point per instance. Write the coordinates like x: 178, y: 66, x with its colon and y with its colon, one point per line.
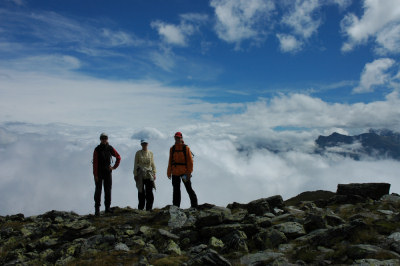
x: 179, y: 157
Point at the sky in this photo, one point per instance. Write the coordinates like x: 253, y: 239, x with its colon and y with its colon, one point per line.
x: 250, y: 83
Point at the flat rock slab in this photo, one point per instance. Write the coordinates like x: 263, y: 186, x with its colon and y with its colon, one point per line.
x: 367, y: 190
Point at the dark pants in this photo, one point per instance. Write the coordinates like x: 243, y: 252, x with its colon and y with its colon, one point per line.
x: 107, y: 191
x: 176, y: 184
x: 146, y: 196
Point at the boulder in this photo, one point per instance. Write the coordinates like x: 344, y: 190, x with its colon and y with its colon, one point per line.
x: 208, y: 257
x: 363, y: 251
x: 216, y: 243
x: 177, y: 217
x: 236, y: 241
x: 313, y: 222
x: 291, y: 229
x: 213, y: 216
x: 121, y: 247
x: 367, y: 190
x: 261, y: 258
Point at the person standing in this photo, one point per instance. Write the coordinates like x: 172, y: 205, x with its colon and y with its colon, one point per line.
x: 180, y: 167
x: 102, y: 171
x: 144, y: 171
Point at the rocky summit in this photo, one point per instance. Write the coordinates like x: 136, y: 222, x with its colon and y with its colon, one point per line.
x: 349, y: 227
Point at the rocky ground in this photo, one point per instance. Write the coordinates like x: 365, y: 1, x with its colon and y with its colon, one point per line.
x: 357, y: 225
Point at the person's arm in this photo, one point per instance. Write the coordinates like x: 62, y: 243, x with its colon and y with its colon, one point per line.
x: 95, y: 165
x: 169, y: 170
x: 189, y: 163
x: 135, y: 164
x: 117, y: 157
x: 153, y: 165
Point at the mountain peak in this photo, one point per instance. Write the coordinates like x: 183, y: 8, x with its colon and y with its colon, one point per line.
x: 318, y: 228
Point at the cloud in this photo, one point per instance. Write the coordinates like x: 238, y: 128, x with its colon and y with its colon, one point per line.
x: 178, y: 34
x: 380, y: 21
x: 52, y: 30
x: 374, y: 74
x: 238, y: 157
x: 388, y: 40
x: 241, y: 20
x: 250, y: 149
x: 289, y: 43
x: 301, y: 17
x: 343, y: 4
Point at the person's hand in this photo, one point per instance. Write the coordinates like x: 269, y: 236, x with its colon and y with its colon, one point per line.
x: 136, y: 178
x: 155, y: 176
x: 111, y: 168
x: 96, y: 178
x: 169, y: 177
x: 188, y: 176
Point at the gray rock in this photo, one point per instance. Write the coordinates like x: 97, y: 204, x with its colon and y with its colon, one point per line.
x: 392, y: 198
x: 172, y: 248
x: 236, y: 241
x: 270, y: 238
x: 214, y: 216
x: 260, y: 258
x: 216, y: 243
x: 78, y: 224
x: 222, y: 230
x: 373, y: 262
x: 334, y: 220
x: 362, y: 251
x: 166, y: 234
x: 177, y: 217
x: 208, y: 257
x: 258, y: 207
x: 313, y: 222
x: 122, y: 247
x: 291, y: 229
x: 367, y: 190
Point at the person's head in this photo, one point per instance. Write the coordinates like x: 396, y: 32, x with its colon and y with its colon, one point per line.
x: 144, y: 144
x: 178, y: 137
x: 104, y: 138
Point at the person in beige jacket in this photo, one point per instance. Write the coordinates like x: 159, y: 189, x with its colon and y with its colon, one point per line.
x: 144, y: 171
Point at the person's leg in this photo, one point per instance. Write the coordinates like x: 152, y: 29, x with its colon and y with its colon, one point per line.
x: 192, y: 194
x: 97, y: 195
x: 149, y: 194
x: 176, y: 184
x: 142, y: 198
x: 107, y: 192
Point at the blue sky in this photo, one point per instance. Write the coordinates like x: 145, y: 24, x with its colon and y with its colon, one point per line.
x: 233, y: 76
x: 232, y: 51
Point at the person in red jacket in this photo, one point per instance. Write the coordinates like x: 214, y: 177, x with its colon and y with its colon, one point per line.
x: 180, y: 167
x: 102, y: 171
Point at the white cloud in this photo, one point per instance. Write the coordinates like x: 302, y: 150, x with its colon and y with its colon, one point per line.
x: 55, y: 30
x: 388, y: 40
x: 172, y: 34
x: 239, y: 20
x: 380, y: 20
x: 289, y: 43
x: 301, y: 17
x: 343, y: 4
x: 179, y: 34
x: 374, y: 73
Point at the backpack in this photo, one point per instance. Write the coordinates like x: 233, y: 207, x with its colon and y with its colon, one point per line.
x: 184, y: 154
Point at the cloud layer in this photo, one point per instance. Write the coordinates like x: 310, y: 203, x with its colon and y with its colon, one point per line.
x: 238, y: 157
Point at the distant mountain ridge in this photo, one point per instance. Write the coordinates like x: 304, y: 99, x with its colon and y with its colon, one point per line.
x: 379, y: 144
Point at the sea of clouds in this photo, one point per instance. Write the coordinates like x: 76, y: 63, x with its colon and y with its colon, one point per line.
x: 49, y: 166
x: 50, y: 125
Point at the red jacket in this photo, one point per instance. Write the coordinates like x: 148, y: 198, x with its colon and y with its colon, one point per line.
x: 97, y: 160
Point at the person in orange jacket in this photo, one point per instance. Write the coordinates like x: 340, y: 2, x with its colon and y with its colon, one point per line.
x: 180, y: 167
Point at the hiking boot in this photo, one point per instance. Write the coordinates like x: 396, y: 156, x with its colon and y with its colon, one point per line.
x: 97, y: 212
